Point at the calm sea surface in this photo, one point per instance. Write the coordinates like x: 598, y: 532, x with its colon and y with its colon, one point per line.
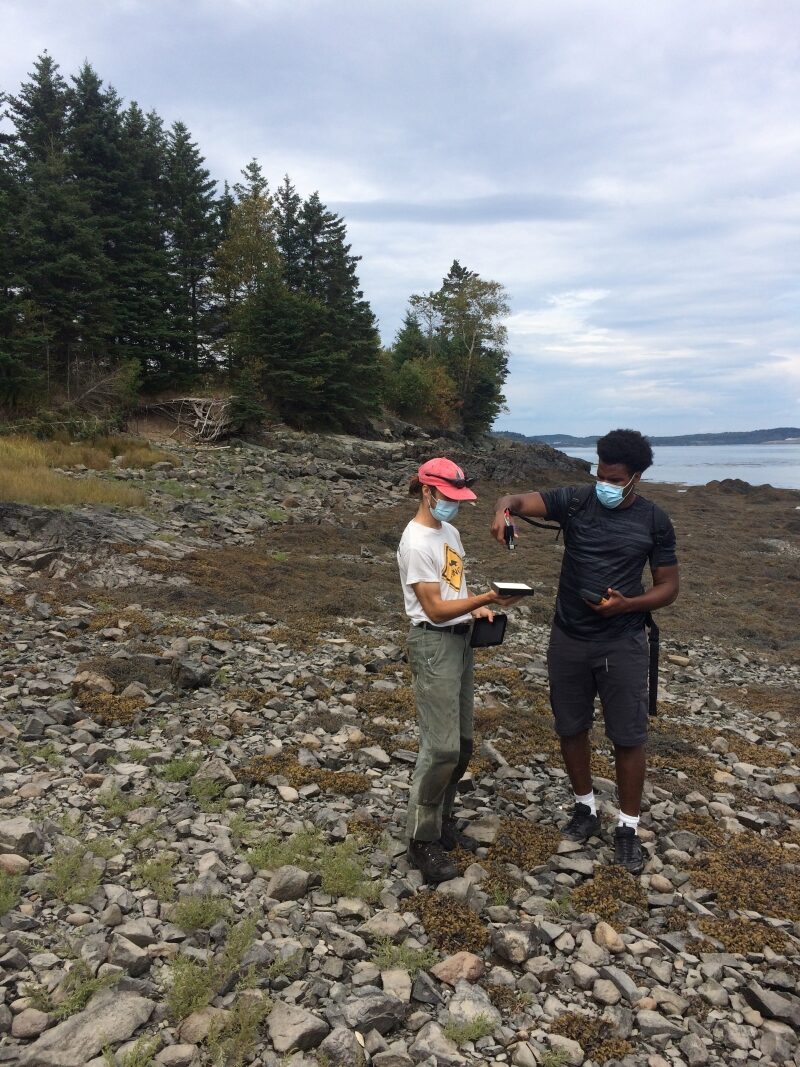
x: 777, y: 465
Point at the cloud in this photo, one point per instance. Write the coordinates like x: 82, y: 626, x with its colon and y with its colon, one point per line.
x: 630, y: 173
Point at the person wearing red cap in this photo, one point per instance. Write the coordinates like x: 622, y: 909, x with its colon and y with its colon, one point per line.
x: 438, y: 604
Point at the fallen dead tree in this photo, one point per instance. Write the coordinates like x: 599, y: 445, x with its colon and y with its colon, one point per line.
x: 197, y: 418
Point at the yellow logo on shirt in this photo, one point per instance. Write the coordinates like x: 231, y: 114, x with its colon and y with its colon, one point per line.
x: 453, y: 569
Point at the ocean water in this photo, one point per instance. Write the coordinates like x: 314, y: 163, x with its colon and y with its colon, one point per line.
x: 772, y: 464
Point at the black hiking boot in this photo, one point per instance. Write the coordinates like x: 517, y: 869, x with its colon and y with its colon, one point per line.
x: 453, y: 838
x: 628, y: 849
x: 582, y: 824
x: 429, y: 858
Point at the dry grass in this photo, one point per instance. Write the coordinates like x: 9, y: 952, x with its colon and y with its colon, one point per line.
x: 26, y: 478
x: 98, y: 453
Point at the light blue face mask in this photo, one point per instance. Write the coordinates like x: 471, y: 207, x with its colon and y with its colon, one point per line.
x: 445, y: 510
x: 609, y: 495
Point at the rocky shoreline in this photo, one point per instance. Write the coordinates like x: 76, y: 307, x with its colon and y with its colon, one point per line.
x: 208, y: 735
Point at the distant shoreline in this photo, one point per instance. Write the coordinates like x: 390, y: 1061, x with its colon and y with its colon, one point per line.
x: 776, y: 435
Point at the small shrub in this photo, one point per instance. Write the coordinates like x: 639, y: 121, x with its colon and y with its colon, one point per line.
x: 459, y: 1033
x: 387, y: 955
x: 180, y: 769
x: 300, y: 849
x: 104, y: 847
x: 9, y: 892
x: 79, y: 987
x: 199, y: 913
x: 554, y: 1057
x: 117, y: 803
x: 209, y: 796
x: 193, y: 984
x: 156, y: 874
x: 234, y: 1042
x: 141, y: 1055
x: 72, y: 876
x: 343, y: 873
x: 192, y: 987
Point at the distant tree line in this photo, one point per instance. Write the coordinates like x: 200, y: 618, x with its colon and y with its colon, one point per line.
x: 122, y: 261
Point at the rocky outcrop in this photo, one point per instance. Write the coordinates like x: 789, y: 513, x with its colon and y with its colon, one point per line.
x: 209, y: 802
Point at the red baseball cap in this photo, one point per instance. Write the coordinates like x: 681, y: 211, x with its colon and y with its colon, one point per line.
x: 447, y: 477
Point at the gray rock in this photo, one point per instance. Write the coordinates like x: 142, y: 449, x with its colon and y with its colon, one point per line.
x: 694, y: 1049
x: 178, y: 1056
x: 190, y: 674
x: 341, y: 1048
x: 605, y: 991
x: 651, y: 1024
x: 622, y: 981
x: 470, y: 1002
x: 773, y: 1005
x: 29, y: 1023
x: 20, y: 835
x: 111, y: 1016
x: 372, y: 1009
x: 288, y: 883
x: 431, y: 1042
x: 513, y: 943
x: 127, y: 955
x: 291, y: 1027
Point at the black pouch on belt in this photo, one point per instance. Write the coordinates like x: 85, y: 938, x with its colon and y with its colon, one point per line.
x: 485, y: 633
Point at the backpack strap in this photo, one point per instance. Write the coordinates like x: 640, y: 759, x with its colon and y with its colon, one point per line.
x: 578, y: 501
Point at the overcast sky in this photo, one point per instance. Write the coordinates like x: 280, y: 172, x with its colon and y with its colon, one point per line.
x: 629, y: 171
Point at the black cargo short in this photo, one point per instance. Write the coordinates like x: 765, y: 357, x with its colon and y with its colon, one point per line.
x: 615, y: 670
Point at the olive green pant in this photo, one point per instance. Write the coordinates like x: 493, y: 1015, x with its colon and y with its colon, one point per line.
x: 441, y: 670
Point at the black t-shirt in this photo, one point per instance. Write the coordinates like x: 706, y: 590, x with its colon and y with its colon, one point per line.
x: 606, y: 547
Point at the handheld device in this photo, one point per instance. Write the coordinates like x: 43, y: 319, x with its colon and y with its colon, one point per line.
x: 509, y: 532
x: 593, y: 598
x: 512, y: 589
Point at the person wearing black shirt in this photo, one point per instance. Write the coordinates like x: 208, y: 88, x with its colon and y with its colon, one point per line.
x: 600, y: 649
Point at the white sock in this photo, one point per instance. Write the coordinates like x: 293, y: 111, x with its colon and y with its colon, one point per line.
x: 588, y: 800
x: 628, y: 820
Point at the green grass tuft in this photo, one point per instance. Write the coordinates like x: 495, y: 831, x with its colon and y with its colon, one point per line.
x: 199, y: 913
x: 72, y: 875
x: 388, y: 955
x: 9, y: 892
x: 156, y: 874
x: 459, y: 1033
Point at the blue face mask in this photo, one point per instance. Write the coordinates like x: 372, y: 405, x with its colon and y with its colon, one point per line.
x: 609, y: 495
x: 445, y: 510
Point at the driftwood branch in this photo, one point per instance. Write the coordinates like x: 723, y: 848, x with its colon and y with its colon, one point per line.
x: 200, y: 418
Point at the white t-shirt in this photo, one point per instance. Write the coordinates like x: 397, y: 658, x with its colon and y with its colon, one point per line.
x: 426, y: 554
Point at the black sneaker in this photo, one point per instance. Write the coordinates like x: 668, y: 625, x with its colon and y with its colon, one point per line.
x: 628, y: 849
x: 582, y: 824
x: 453, y: 838
x: 429, y: 858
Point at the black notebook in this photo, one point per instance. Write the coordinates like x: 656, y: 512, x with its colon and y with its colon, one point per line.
x: 485, y: 633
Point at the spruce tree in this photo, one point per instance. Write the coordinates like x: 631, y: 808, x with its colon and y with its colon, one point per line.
x: 145, y: 291
x: 192, y: 232
x: 58, y: 254
x: 290, y: 242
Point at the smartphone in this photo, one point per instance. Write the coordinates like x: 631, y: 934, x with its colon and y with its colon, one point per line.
x: 593, y: 598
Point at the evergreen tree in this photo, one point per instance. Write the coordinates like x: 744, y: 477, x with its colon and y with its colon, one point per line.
x: 145, y: 288
x: 59, y: 259
x: 192, y: 232
x: 94, y: 145
x: 410, y: 341
x: 289, y: 238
